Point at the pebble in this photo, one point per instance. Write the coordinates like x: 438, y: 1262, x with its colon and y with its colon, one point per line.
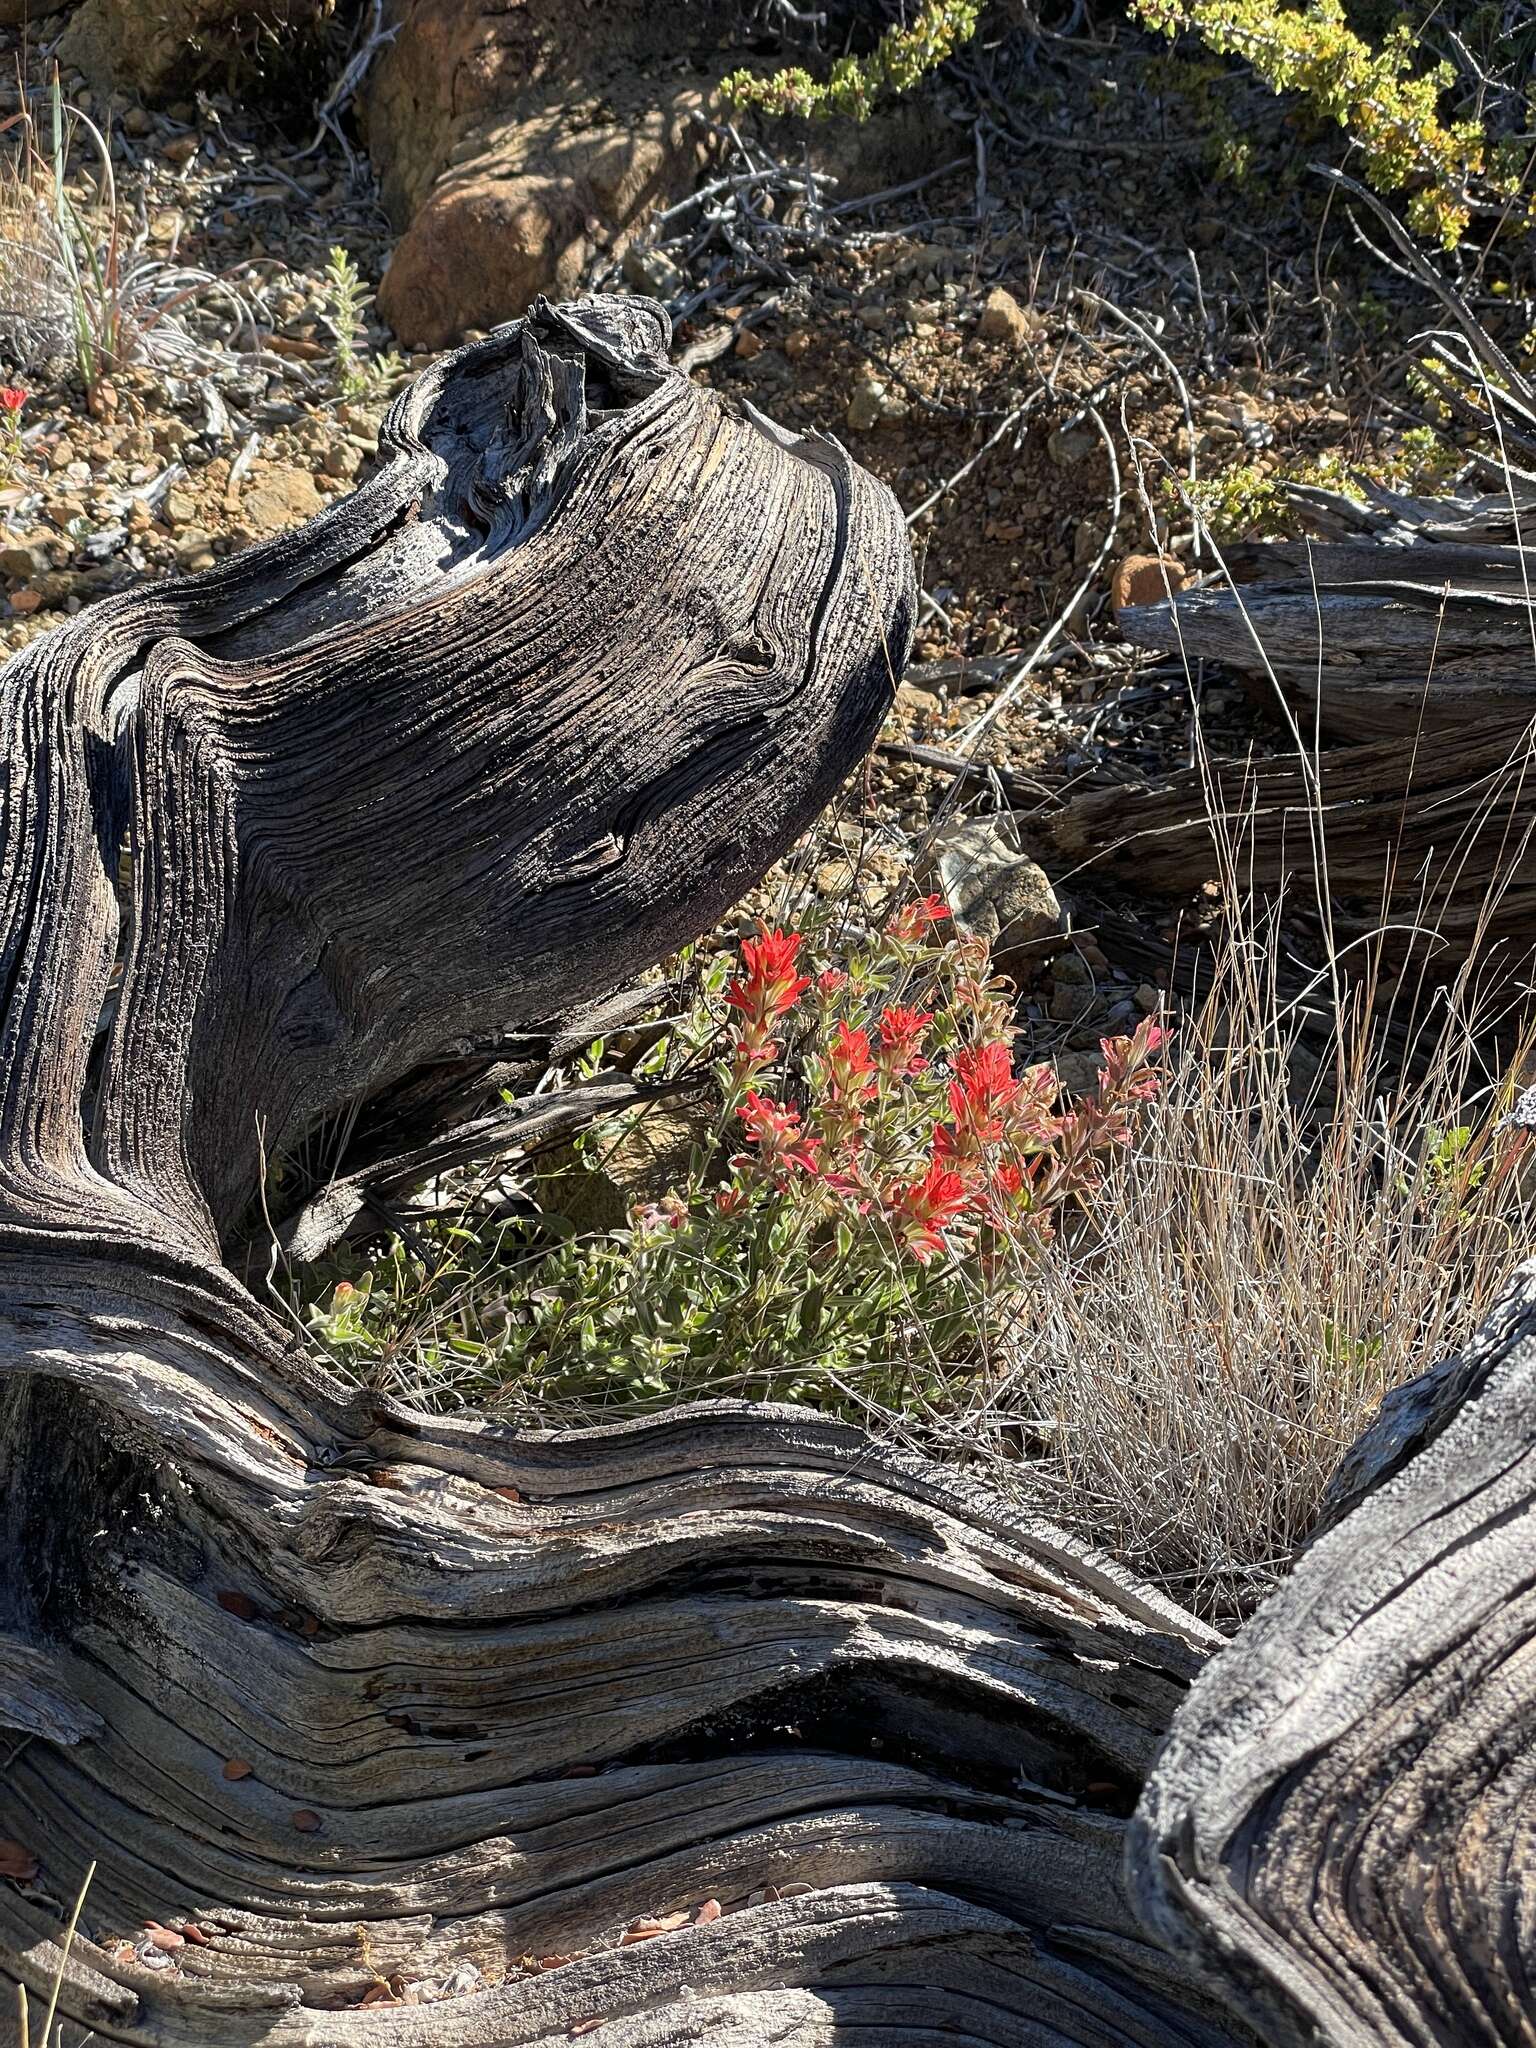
x: 1004, y: 319
x: 871, y: 403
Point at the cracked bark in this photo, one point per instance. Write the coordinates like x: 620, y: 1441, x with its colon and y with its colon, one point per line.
x: 399, y: 792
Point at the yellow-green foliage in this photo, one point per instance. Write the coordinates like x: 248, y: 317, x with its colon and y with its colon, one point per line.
x: 1249, y: 502
x: 1372, y: 92
x: 898, y: 61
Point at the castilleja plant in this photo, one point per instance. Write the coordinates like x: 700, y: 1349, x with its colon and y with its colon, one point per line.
x: 864, y: 1208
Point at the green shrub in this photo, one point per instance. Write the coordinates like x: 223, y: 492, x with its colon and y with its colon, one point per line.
x: 875, y: 1184
x: 1374, y: 92
x: 902, y: 57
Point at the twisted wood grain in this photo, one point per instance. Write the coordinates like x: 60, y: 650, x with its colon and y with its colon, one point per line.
x: 370, y: 1697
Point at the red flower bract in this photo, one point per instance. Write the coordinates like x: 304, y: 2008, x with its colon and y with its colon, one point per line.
x: 915, y: 920
x: 782, y: 1147
x: 12, y: 397
x: 850, y: 1063
x: 901, y: 1036
x: 768, y: 985
x: 1127, y: 1072
x: 980, y: 1094
x: 923, y: 1209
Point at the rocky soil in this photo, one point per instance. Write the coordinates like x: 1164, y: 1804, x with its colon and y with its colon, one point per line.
x: 1036, y: 347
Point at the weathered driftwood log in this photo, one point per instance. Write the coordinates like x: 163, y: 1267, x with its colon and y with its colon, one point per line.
x: 375, y: 1700
x: 1411, y: 631
x: 369, y: 1697
x: 1420, y: 620
x: 1430, y: 843
x: 1341, y: 1825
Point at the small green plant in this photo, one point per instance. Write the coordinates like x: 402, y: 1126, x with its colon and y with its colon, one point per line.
x: 903, y: 56
x: 1247, y: 501
x: 346, y: 298
x: 873, y: 1189
x: 1375, y: 95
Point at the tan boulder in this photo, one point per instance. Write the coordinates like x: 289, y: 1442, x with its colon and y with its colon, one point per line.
x: 161, y: 46
x: 1145, y: 579
x: 515, y: 140
x: 521, y: 213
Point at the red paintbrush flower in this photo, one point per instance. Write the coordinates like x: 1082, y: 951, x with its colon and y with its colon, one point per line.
x: 1127, y: 1074
x: 850, y: 1064
x: 12, y: 398
x: 915, y: 920
x: 901, y: 1036
x: 782, y: 1147
x: 924, y: 1209
x: 767, y: 987
x: 980, y: 1096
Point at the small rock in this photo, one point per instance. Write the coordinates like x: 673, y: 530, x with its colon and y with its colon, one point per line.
x: 1087, y: 539
x: 21, y: 562
x: 26, y: 600
x: 282, y: 498
x: 1078, y: 1072
x: 462, y: 1979
x: 748, y: 344
x: 797, y: 342
x: 1072, y: 972
x: 1149, y: 998
x: 922, y: 707
x: 1004, y: 319
x: 342, y: 459
x: 998, y: 894
x: 871, y: 403
x: 1068, y: 1005
x: 180, y: 149
x: 1145, y: 579
x: 652, y: 271
x: 866, y: 408
x: 1069, y: 445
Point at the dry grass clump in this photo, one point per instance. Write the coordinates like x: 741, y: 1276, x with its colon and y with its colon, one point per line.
x: 1187, y: 1369
x: 77, y: 279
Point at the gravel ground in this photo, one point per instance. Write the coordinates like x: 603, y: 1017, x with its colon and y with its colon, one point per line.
x: 1033, y: 349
